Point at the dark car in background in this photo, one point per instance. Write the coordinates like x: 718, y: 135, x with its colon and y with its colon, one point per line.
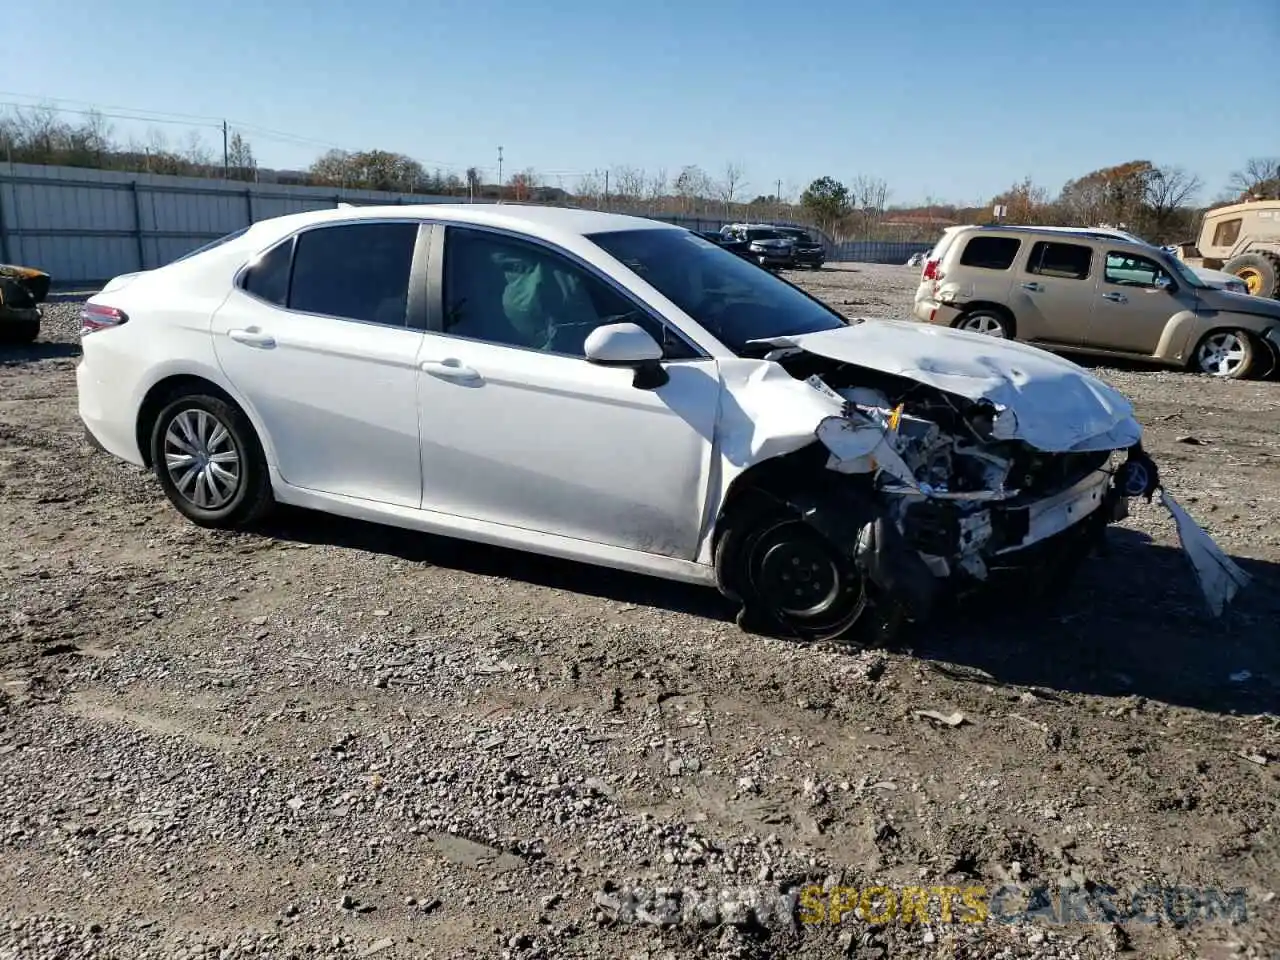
x: 761, y: 243
x: 808, y: 251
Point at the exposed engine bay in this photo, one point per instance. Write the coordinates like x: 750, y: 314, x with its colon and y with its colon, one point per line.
x: 959, y: 493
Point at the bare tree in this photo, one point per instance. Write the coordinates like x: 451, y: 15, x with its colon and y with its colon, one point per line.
x: 1169, y: 192
x: 732, y: 183
x: 656, y: 188
x: 627, y: 183
x: 41, y: 130
x: 692, y: 185
x: 195, y: 151
x: 590, y: 187
x: 868, y: 196
x: 1260, y: 178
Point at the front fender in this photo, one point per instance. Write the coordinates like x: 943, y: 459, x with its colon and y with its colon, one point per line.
x: 1181, y: 334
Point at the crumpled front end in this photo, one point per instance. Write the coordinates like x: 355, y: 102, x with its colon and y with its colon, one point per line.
x: 964, y: 468
x: 967, y: 502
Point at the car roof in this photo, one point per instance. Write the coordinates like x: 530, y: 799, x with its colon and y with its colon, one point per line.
x: 548, y: 223
x: 1097, y: 233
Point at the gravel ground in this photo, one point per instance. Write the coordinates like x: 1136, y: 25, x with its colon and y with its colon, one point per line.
x: 327, y: 738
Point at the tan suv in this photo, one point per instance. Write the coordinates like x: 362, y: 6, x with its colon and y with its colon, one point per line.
x: 1093, y: 292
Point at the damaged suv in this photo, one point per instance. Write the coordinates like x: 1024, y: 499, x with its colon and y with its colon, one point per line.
x: 612, y: 390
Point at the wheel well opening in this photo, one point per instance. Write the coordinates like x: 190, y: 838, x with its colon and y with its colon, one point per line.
x: 772, y: 483
x: 999, y: 308
x: 164, y: 392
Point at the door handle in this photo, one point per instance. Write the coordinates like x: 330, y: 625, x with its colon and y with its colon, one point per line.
x: 1033, y: 287
x: 1115, y: 297
x: 252, y: 338
x: 449, y: 369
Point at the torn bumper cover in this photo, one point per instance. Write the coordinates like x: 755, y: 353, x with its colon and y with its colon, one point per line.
x: 982, y: 455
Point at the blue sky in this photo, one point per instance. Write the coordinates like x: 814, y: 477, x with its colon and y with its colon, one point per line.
x: 950, y: 100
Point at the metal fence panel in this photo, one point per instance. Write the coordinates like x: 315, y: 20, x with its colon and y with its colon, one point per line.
x: 85, y: 226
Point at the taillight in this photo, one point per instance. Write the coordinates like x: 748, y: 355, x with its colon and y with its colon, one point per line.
x: 930, y: 270
x: 97, y: 316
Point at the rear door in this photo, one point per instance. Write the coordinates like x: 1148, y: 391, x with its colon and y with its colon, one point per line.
x: 1053, y: 295
x: 321, y: 338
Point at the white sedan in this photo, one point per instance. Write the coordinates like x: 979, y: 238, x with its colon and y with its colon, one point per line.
x: 608, y: 389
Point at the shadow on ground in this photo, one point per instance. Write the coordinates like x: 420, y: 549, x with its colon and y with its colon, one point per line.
x: 29, y: 353
x: 1133, y: 624
x: 302, y: 526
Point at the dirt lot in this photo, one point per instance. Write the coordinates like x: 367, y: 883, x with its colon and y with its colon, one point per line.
x: 333, y: 739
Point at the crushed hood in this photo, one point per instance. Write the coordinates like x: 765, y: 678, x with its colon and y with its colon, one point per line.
x: 1043, y: 400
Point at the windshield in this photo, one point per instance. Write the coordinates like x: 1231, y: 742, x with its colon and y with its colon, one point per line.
x: 730, y: 297
x: 1184, y: 273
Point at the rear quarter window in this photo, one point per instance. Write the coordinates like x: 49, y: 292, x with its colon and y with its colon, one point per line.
x: 990, y: 253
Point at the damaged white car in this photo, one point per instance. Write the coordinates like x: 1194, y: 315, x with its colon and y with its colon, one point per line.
x: 611, y: 390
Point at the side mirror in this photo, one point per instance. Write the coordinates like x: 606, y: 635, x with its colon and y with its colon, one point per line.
x: 628, y: 345
x: 1164, y: 282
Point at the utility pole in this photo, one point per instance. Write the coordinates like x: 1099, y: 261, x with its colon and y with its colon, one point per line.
x: 226, y: 157
x: 499, y: 174
x: 606, y: 189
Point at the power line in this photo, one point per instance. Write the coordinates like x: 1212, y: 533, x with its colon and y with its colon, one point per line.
x: 139, y: 115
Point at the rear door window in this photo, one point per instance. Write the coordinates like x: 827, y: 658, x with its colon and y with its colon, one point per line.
x: 357, y: 271
x: 1066, y: 261
x: 990, y: 253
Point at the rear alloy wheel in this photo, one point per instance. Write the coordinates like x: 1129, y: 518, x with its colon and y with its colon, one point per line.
x: 791, y: 580
x: 986, y: 322
x: 1228, y: 354
x: 209, y: 462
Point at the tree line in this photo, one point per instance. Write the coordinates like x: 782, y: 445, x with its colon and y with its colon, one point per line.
x: 1157, y: 202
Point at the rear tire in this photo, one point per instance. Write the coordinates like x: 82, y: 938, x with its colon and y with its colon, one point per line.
x: 209, y: 462
x: 988, y: 322
x: 1226, y: 354
x: 1259, y: 271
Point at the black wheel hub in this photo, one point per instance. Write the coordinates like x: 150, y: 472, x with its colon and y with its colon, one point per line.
x: 799, y: 578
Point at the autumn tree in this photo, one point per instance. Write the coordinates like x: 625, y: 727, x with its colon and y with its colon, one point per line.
x: 523, y: 184
x: 1026, y: 203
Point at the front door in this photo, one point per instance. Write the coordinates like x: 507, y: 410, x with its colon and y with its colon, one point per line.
x: 1052, y: 295
x: 518, y: 428
x: 318, y: 341
x: 1134, y: 303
